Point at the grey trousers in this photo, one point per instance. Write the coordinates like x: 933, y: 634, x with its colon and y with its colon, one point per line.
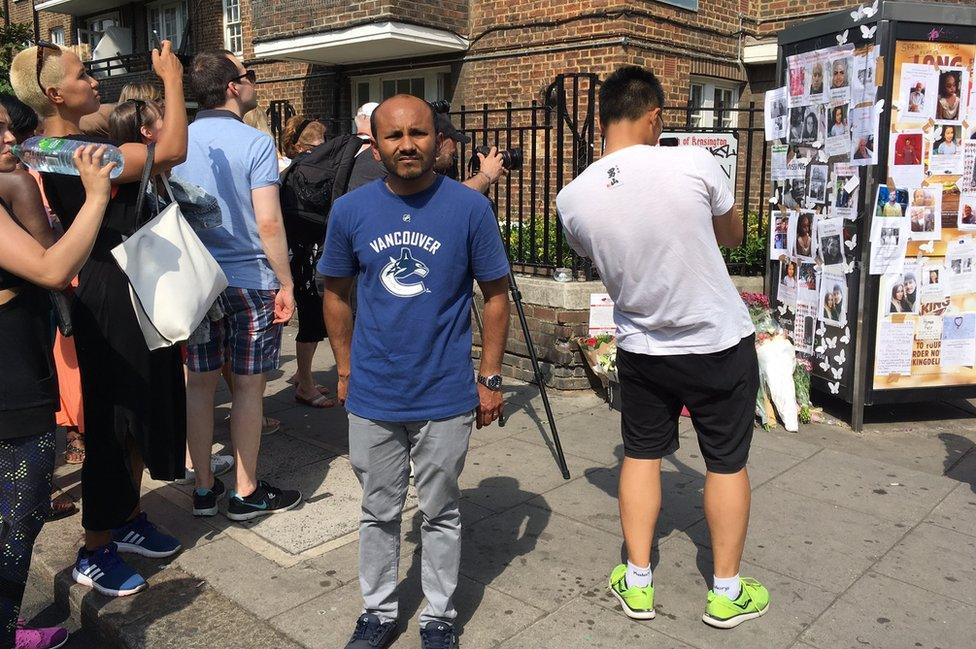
x: 380, y: 453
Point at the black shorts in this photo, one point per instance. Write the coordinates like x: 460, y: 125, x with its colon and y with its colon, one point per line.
x: 718, y: 389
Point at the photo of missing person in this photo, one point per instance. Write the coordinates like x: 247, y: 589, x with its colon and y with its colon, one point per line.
x: 925, y: 212
x: 830, y: 250
x: 916, y: 98
x: 908, y: 149
x: 818, y: 183
x: 889, y: 236
x: 794, y: 192
x: 833, y: 304
x: 933, y: 276
x: 816, y: 79
x: 788, y: 274
x: 949, y: 141
x: 967, y: 212
x: 838, y: 73
x: 950, y: 89
x: 902, y: 294
x: 838, y: 121
x: 891, y: 203
x: 808, y: 276
x: 803, y: 246
x: 805, y: 124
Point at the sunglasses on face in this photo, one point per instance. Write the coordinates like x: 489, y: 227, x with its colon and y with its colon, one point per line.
x: 250, y: 75
x: 41, y: 46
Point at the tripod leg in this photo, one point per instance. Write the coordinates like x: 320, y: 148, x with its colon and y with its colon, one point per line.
x: 540, y: 380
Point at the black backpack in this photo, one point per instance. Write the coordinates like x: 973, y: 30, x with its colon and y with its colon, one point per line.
x: 314, y: 180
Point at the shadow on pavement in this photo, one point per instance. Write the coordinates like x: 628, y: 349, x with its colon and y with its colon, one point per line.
x: 960, y: 460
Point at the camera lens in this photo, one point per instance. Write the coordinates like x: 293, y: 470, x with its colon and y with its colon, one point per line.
x: 512, y: 159
x: 440, y: 106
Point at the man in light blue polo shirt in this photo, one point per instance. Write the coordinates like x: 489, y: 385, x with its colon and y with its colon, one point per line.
x: 238, y: 165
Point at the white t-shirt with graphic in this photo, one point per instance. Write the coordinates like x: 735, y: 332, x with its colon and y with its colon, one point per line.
x: 644, y: 216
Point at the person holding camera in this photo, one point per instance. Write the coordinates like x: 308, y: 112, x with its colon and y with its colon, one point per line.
x: 491, y: 164
x: 684, y: 338
x: 416, y: 241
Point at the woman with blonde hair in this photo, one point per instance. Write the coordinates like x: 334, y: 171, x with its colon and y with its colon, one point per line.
x: 135, y: 399
x: 301, y: 134
x: 140, y: 90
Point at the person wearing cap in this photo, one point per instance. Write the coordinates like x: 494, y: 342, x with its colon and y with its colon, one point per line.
x: 366, y: 168
x: 445, y: 162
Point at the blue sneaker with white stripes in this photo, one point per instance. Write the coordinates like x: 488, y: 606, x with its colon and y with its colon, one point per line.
x: 106, y: 572
x: 139, y: 536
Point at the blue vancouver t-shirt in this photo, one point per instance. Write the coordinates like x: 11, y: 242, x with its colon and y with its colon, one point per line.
x: 416, y: 257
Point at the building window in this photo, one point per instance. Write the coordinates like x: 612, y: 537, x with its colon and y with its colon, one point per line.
x: 168, y: 20
x: 431, y: 85
x: 95, y: 26
x: 713, y: 104
x: 684, y: 4
x: 57, y: 35
x: 233, y: 35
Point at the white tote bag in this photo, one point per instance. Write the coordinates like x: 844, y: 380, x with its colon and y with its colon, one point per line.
x: 173, y: 278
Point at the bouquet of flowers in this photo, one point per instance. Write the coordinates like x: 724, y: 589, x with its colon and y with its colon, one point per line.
x: 777, y: 366
x: 600, y: 352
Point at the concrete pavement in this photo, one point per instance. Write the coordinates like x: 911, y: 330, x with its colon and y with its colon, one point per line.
x: 863, y: 540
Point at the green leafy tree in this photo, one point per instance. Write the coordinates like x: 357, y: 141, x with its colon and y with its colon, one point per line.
x: 13, y: 38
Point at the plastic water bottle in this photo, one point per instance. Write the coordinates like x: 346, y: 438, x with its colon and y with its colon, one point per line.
x: 54, y: 155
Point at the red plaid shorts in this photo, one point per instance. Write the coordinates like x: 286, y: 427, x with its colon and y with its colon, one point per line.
x: 245, y: 336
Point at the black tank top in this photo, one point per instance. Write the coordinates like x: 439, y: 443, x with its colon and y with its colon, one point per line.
x: 8, y: 279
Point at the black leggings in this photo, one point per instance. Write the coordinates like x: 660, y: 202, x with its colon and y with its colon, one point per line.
x: 26, y: 467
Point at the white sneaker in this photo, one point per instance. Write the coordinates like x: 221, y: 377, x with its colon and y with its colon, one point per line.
x: 219, y: 465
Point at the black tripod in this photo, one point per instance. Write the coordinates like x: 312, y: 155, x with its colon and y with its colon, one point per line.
x: 539, y: 379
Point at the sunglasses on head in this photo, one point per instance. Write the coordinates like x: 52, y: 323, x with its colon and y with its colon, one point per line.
x: 41, y: 46
x: 250, y: 75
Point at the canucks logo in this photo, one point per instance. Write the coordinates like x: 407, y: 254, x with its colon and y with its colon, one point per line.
x: 404, y: 276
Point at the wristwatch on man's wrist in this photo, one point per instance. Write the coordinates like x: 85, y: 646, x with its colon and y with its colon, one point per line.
x: 492, y: 382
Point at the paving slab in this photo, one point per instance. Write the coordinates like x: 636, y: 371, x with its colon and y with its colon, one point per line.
x: 331, y: 508
x: 884, y: 490
x: 486, y: 617
x: 936, y: 559
x: 957, y: 511
x: 489, y: 473
x: 536, y: 555
x: 593, y: 501
x: 682, y: 577
x: 764, y: 463
x: 815, y: 542
x: 327, y: 427
x: 593, y: 434
x: 582, y: 623
x: 264, y: 588
x: 878, y: 612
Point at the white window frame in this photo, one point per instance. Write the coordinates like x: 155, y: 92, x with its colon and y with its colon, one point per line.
x: 181, y: 18
x: 434, y: 86
x: 92, y: 36
x: 705, y: 115
x: 226, y: 7
x: 57, y: 35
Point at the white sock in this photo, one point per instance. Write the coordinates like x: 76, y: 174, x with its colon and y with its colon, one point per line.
x: 638, y: 577
x: 727, y: 586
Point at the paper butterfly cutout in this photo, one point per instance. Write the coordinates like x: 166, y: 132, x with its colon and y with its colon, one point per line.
x: 822, y: 330
x: 849, y: 267
x: 879, y: 107
x: 824, y: 365
x: 838, y: 372
x: 841, y: 358
x: 867, y: 12
x: 846, y: 338
x: 833, y: 387
x: 842, y: 37
x: 857, y: 14
x: 831, y: 342
x: 927, y: 247
x: 820, y: 350
x: 852, y: 243
x: 868, y: 32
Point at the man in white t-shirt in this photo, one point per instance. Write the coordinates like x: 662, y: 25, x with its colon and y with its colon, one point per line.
x: 652, y: 220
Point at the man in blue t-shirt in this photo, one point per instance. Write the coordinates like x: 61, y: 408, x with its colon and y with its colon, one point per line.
x: 238, y: 165
x: 416, y: 240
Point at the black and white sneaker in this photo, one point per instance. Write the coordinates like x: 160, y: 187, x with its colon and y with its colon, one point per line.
x: 205, y: 500
x: 371, y: 634
x: 265, y: 500
x: 438, y: 635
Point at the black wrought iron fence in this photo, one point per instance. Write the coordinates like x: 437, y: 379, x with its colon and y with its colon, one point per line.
x: 558, y: 136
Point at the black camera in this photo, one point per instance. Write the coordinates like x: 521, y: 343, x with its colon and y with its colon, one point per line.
x: 511, y: 158
x: 441, y: 106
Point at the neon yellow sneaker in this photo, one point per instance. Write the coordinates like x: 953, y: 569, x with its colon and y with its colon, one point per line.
x: 723, y: 613
x: 638, y: 603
